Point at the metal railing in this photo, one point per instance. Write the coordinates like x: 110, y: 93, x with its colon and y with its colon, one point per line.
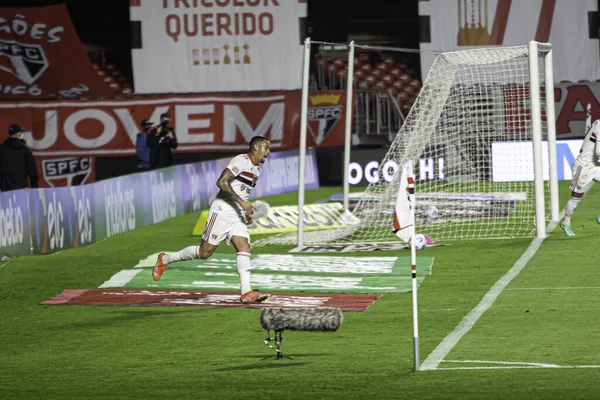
x: 377, y: 112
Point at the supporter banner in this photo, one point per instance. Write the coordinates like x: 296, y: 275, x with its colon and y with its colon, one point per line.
x: 571, y: 102
x: 67, y: 135
x: 15, y: 233
x: 217, y: 45
x: 567, y: 24
x: 41, y: 56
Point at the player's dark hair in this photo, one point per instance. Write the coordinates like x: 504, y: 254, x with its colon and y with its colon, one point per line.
x: 257, y: 140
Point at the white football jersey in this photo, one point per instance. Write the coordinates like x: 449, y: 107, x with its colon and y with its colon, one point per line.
x: 587, y: 154
x: 246, y: 175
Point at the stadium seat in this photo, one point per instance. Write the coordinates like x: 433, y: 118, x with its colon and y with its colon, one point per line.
x: 415, y: 83
x: 396, y: 71
x: 339, y: 63
x: 366, y: 67
x: 381, y: 67
x: 405, y: 78
x: 370, y: 80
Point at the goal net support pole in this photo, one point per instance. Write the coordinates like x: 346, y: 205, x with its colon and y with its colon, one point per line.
x: 551, y: 135
x: 303, y: 129
x: 348, y: 126
x: 545, y: 50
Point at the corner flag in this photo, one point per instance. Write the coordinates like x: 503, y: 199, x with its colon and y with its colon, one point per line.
x: 403, y: 216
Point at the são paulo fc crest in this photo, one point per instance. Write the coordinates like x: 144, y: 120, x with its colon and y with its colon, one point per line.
x: 324, y: 112
x: 60, y: 172
x: 24, y: 60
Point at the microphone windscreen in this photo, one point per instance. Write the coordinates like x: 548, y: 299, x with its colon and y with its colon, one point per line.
x: 326, y: 319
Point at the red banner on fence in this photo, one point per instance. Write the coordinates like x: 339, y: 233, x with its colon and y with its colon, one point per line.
x: 66, y: 135
x: 41, y: 56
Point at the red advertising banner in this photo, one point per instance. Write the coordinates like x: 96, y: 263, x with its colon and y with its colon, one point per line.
x: 67, y: 135
x: 41, y: 56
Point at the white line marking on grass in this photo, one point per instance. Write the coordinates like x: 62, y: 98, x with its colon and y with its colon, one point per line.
x: 510, y: 365
x: 523, y: 367
x: 441, y: 351
x: 559, y: 288
x: 5, y: 264
x: 121, y: 278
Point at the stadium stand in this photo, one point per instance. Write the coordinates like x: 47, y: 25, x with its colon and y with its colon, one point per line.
x: 385, y: 87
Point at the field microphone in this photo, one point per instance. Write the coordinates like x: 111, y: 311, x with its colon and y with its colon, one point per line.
x: 326, y: 319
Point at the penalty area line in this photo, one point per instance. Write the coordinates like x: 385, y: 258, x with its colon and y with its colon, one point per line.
x: 441, y: 351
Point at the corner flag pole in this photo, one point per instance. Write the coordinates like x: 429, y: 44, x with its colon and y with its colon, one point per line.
x: 404, y: 228
x: 413, y: 261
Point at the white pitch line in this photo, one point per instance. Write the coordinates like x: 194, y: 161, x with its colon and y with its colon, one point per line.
x: 523, y: 367
x: 5, y: 264
x: 120, y: 279
x: 518, y: 363
x: 441, y: 351
x: 558, y: 288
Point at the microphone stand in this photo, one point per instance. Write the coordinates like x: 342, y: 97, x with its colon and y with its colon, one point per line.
x: 278, y: 339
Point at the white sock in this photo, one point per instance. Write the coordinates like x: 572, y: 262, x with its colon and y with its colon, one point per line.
x: 570, y: 209
x: 243, y: 268
x: 189, y: 253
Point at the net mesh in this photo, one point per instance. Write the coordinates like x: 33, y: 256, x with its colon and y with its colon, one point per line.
x: 473, y: 104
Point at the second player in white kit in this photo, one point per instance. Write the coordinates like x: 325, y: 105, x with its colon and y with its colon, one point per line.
x: 586, y: 171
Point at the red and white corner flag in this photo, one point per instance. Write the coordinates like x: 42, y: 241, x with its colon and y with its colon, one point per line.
x: 404, y: 218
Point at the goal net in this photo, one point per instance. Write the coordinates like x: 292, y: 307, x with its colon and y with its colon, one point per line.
x: 469, y: 136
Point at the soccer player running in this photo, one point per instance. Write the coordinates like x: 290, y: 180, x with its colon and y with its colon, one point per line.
x: 586, y: 170
x: 229, y: 215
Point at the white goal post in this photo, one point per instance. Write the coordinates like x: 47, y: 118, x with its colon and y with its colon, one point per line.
x: 482, y: 142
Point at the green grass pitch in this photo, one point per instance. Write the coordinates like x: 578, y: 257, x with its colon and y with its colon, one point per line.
x: 548, y: 315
